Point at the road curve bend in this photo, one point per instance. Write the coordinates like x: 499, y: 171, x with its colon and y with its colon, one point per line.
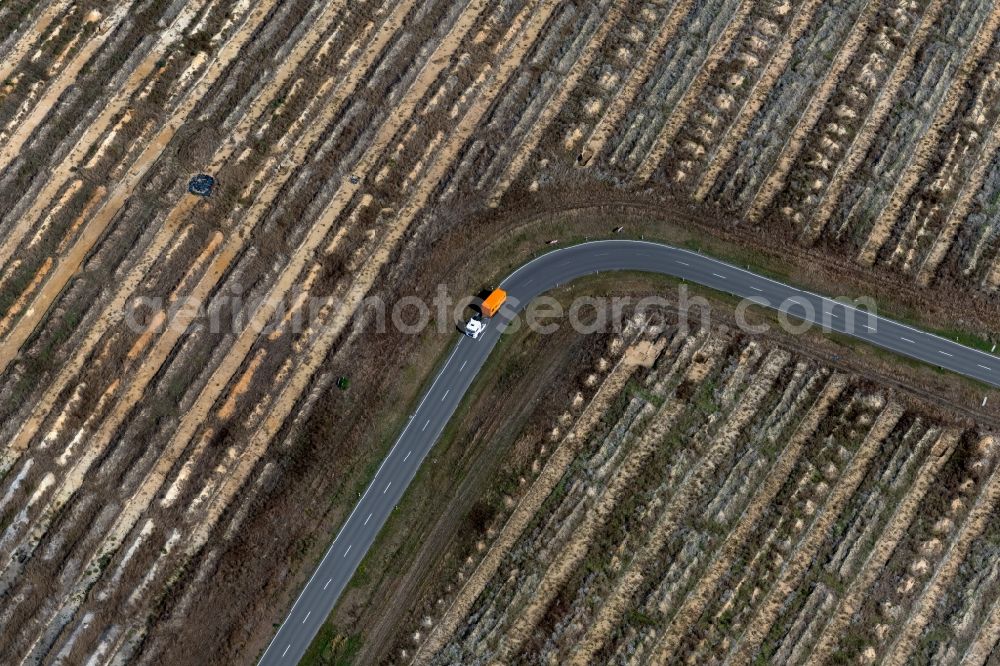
x: 539, y: 275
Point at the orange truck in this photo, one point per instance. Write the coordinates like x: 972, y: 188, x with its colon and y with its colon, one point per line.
x: 493, y: 302
x: 491, y: 305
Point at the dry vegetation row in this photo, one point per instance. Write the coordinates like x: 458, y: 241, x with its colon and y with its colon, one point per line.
x: 344, y: 137
x: 770, y: 503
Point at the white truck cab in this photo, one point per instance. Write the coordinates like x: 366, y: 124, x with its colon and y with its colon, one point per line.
x: 490, y: 306
x: 475, y: 327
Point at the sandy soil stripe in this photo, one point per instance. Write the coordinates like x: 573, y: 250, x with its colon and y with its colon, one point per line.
x: 984, y: 644
x: 12, y: 58
x: 804, y: 128
x: 556, y: 103
x: 775, y: 67
x: 610, y: 614
x: 70, y: 263
x: 866, y: 135
x: 573, y: 553
x: 818, y: 532
x: 979, y: 517
x: 290, y: 394
x: 702, y: 595
x: 298, y: 151
x: 95, y: 198
x: 894, y: 530
x: 241, y: 386
x: 64, y: 80
x: 66, y: 170
x: 75, y: 476
x: 234, y: 246
x: 992, y: 281
x: 917, y: 164
x: 526, y: 509
x: 157, y: 475
x: 22, y: 300
x: 626, y: 96
x: 154, y: 480
x: 684, y: 107
x: 971, y: 186
x: 234, y: 358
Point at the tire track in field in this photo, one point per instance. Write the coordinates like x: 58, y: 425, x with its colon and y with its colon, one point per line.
x: 550, y: 475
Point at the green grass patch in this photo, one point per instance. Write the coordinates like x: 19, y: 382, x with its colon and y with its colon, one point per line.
x: 638, y: 618
x: 744, y: 258
x: 633, y: 388
x: 330, y: 648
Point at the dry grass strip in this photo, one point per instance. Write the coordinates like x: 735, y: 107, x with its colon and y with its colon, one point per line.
x: 526, y: 509
x: 699, y: 599
x: 793, y: 571
x: 894, y: 530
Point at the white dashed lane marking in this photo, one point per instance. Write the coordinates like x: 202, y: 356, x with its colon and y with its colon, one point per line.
x: 425, y: 425
x: 802, y: 298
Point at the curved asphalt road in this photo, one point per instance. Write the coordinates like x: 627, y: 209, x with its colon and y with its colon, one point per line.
x: 542, y: 274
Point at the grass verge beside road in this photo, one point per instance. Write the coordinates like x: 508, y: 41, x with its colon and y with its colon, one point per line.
x: 493, y: 262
